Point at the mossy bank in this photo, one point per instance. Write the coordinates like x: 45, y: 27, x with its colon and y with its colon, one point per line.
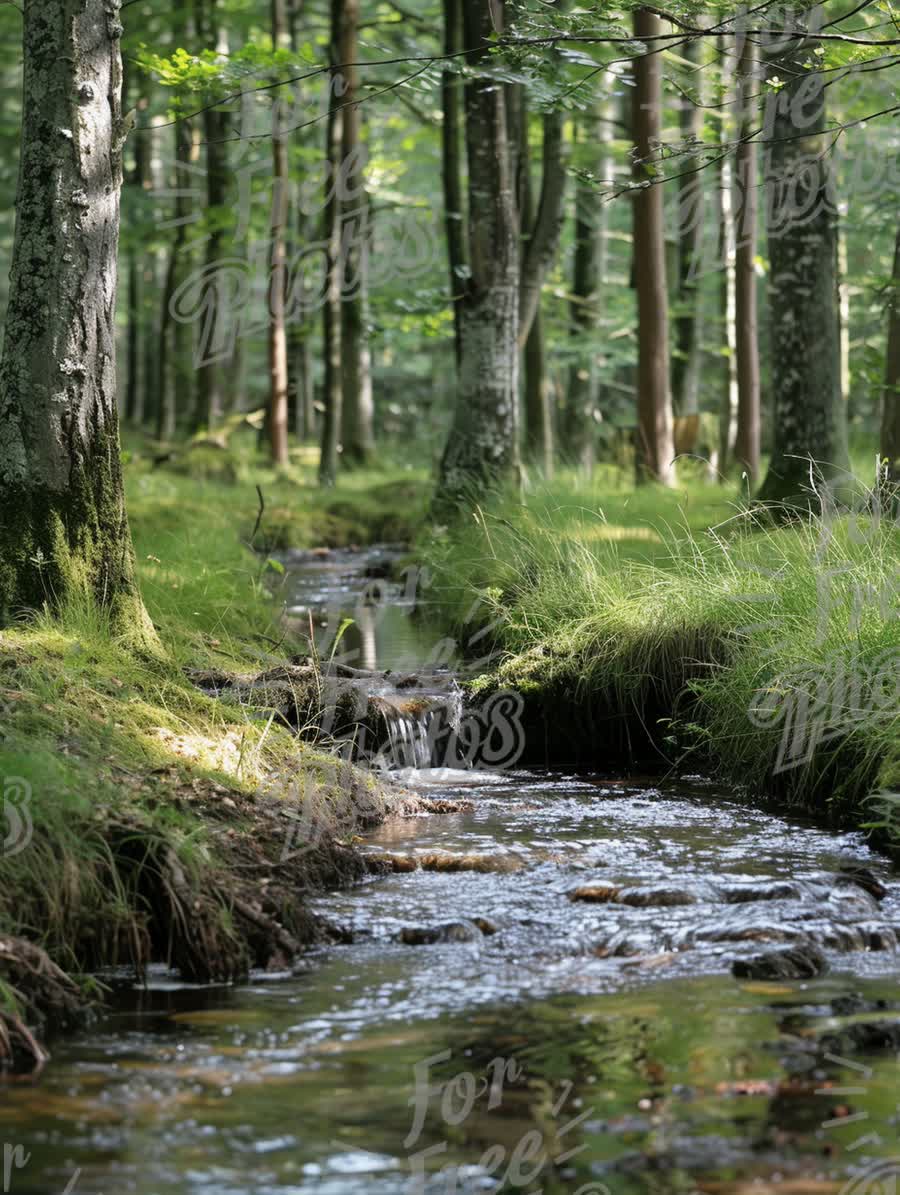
x: 686, y: 630
x: 144, y: 819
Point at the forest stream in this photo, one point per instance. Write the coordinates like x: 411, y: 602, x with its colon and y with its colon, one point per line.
x: 567, y: 1045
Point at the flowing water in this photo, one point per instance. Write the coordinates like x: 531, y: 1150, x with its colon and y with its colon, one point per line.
x: 481, y: 1030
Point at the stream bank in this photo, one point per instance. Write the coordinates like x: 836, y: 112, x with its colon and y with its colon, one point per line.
x: 563, y: 944
x: 143, y: 820
x: 767, y: 655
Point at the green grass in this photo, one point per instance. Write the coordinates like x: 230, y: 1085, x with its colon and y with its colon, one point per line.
x: 673, y: 621
x: 134, y: 781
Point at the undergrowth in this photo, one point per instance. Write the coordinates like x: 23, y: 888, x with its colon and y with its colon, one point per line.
x: 694, y: 629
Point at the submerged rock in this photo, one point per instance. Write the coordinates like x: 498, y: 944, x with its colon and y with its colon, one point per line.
x: 742, y: 932
x: 862, y: 1038
x: 427, y: 935
x: 446, y: 805
x: 805, y: 960
x: 649, y: 896
x: 384, y: 862
x: 863, y: 878
x: 487, y: 927
x: 629, y: 943
x: 752, y: 891
x: 856, y: 1002
x: 643, y: 897
x: 595, y: 894
x: 447, y: 861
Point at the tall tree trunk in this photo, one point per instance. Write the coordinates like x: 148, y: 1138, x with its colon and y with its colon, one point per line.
x: 134, y: 397
x: 138, y: 381
x: 746, y: 447
x: 357, y: 414
x: 171, y: 339
x: 63, y: 527
x: 843, y: 311
x: 728, y: 404
x: 301, y: 390
x: 234, y: 383
x: 541, y: 230
x: 278, y: 356
x: 588, y: 278
x: 538, y: 398
x: 332, y: 396
x: 483, y: 449
x: 451, y: 165
x: 890, y: 411
x: 208, y: 407
x: 809, y: 421
x: 539, y: 233
x: 139, y: 181
x: 306, y: 391
x: 686, y: 359
x: 153, y: 282
x: 655, y: 444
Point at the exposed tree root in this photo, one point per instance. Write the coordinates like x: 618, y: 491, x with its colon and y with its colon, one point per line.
x: 39, y: 991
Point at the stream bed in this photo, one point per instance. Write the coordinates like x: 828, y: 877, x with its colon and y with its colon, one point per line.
x: 481, y: 1030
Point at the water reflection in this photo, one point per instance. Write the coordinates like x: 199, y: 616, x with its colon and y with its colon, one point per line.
x: 599, y: 1048
x: 360, y: 616
x: 629, y: 1071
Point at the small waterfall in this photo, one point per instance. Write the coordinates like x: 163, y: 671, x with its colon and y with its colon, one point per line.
x: 416, y: 729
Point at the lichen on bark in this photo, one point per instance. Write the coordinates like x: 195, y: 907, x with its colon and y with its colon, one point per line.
x: 483, y: 449
x: 809, y: 450
x: 63, y: 526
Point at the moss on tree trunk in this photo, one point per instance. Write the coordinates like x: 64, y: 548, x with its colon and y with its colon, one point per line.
x: 482, y: 450
x: 63, y: 527
x: 809, y: 448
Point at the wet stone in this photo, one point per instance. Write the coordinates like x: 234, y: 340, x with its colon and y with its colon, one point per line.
x: 647, y: 897
x: 487, y: 927
x: 594, y: 894
x: 865, y: 1037
x: 863, y: 877
x: 855, y: 1002
x: 643, y: 897
x: 452, y: 931
x: 740, y: 931
x: 803, y: 961
x: 747, y: 893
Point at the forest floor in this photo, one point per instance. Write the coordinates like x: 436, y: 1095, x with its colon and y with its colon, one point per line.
x: 688, y: 629
x: 149, y: 821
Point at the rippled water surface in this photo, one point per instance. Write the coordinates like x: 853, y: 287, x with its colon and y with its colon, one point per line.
x: 545, y: 1044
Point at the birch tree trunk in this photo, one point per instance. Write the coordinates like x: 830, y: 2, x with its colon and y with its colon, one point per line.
x: 63, y: 528
x: 809, y: 421
x: 483, y: 449
x: 655, y: 443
